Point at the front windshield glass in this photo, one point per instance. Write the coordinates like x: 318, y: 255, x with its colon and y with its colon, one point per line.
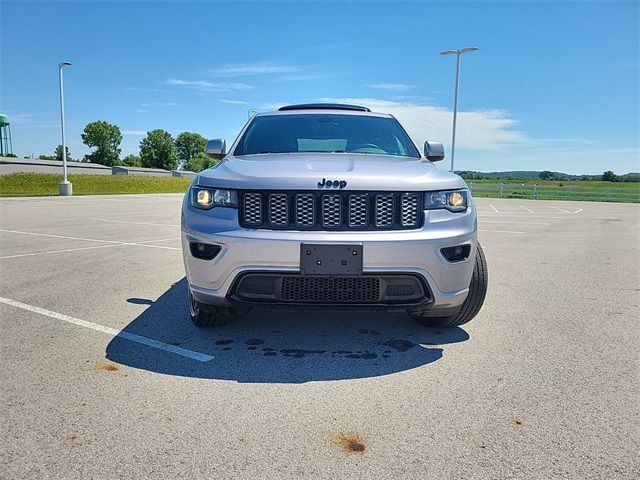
x: 325, y: 133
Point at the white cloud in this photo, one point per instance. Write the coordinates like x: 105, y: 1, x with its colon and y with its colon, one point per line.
x: 208, y: 86
x: 308, y: 77
x: 136, y: 89
x: 159, y: 104
x: 27, y: 118
x: 394, y: 87
x: 234, y: 102
x: 478, y: 130
x: 268, y: 107
x: 253, y: 68
x: 490, y: 140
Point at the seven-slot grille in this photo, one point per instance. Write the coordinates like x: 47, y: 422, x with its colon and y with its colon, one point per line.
x: 331, y: 210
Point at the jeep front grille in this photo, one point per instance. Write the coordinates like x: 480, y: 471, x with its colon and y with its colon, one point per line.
x: 278, y: 209
x: 252, y: 207
x: 305, y: 210
x: 331, y: 210
x: 409, y: 210
x: 385, y: 209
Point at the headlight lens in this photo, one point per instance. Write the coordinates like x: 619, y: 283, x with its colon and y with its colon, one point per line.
x: 454, y: 201
x: 207, y: 198
x: 204, y: 198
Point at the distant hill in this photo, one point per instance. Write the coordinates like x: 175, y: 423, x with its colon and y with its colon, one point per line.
x: 540, y: 175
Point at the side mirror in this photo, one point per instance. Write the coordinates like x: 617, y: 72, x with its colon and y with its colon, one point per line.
x: 216, y: 148
x: 434, y: 151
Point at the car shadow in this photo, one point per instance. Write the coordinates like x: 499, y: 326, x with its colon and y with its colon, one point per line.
x: 280, y: 346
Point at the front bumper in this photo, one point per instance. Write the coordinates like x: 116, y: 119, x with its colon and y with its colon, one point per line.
x: 243, y: 251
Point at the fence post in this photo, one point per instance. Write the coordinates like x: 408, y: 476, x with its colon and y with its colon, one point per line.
x: 501, y: 189
x: 570, y: 191
x: 471, y: 186
x: 608, y: 194
x: 534, y: 192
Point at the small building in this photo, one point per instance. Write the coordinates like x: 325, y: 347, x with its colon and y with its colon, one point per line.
x: 183, y: 173
x: 149, y: 172
x: 10, y: 165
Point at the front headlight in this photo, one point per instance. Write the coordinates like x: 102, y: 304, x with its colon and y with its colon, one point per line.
x: 207, y: 198
x: 453, y: 200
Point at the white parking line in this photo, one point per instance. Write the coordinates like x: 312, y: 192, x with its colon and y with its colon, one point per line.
x: 519, y: 223
x: 136, y: 223
x: 520, y: 215
x: 58, y: 251
x: 499, y: 231
x: 494, y: 209
x: 146, y: 242
x: 137, y: 244
x: 150, y: 342
x: 525, y: 208
x: 567, y: 211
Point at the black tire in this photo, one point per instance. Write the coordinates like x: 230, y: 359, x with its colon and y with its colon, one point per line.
x: 208, y: 315
x: 472, y: 304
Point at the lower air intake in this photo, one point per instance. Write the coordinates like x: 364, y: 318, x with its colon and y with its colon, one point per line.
x: 330, y: 289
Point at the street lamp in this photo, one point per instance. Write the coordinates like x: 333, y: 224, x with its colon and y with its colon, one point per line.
x: 65, y: 187
x: 458, y: 54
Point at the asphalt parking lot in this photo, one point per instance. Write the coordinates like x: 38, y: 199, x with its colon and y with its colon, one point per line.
x: 104, y: 376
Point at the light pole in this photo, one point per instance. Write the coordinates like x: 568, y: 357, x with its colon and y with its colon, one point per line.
x: 65, y: 187
x: 458, y: 54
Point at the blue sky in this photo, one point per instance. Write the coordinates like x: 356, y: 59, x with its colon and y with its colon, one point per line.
x: 554, y: 85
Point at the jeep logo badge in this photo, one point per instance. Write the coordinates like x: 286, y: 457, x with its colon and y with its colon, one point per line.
x: 332, y: 183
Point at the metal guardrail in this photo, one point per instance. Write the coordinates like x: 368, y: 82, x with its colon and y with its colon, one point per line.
x: 555, y: 192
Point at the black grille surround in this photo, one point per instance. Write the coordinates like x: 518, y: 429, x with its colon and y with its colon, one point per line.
x: 330, y: 210
x: 288, y: 288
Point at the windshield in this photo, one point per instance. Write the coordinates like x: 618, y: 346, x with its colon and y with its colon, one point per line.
x: 325, y: 133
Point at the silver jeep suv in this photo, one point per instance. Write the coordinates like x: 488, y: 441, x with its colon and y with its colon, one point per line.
x: 330, y: 206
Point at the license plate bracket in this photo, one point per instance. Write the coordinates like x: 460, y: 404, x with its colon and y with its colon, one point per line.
x: 331, y: 260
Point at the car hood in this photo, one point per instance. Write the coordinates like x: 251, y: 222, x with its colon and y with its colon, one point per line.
x: 303, y: 171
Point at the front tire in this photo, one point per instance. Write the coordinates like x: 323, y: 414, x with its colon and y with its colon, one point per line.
x: 472, y: 304
x: 208, y: 315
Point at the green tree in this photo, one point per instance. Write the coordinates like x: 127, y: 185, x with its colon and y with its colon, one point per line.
x: 189, y: 144
x: 58, y: 153
x: 630, y: 177
x: 132, y: 161
x: 157, y: 150
x: 106, y: 137
x: 609, y: 176
x: 546, y: 175
x: 200, y: 162
x: 46, y: 157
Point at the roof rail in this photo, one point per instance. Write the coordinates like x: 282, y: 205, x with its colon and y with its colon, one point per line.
x: 324, y: 106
